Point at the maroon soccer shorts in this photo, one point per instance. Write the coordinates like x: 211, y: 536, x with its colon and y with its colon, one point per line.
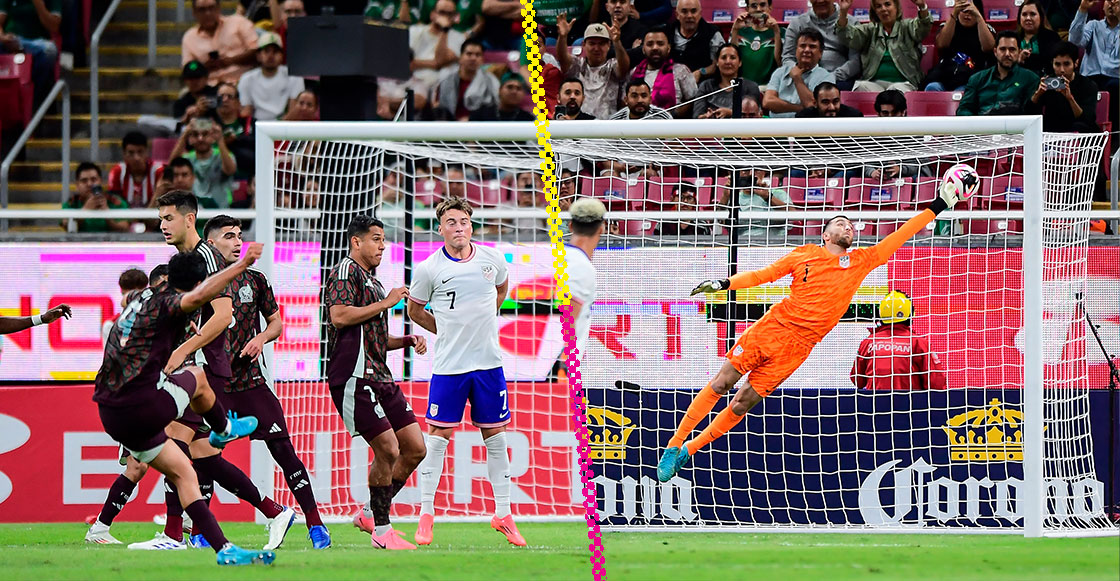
x: 261, y: 403
x: 139, y: 425
x: 369, y: 408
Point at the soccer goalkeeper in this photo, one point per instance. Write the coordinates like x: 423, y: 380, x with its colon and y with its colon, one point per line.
x: 825, y: 278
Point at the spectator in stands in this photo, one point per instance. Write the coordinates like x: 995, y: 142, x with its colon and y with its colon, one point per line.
x: 89, y: 196
x: 28, y: 27
x: 600, y: 76
x: 684, y: 199
x: 631, y: 32
x: 199, y: 98
x: 756, y: 192
x: 651, y: 12
x: 790, y: 88
x: 268, y: 91
x: 826, y: 103
x: 696, y: 41
x: 402, y: 11
x: 237, y: 130
x: 435, y: 48
x: 511, y: 95
x: 1038, y: 40
x: 638, y: 103
x: 835, y: 56
x: 1067, y: 100
x: 566, y: 189
x: 281, y: 11
x: 671, y: 82
x: 893, y: 357
x: 306, y: 108
x: 135, y: 178
x: 1002, y: 89
x: 182, y: 174
x: 571, y: 102
x: 227, y: 45
x: 211, y: 160
x: 501, y: 26
x: 254, y: 10
x: 965, y: 43
x: 718, y: 104
x: 889, y: 45
x: 470, y: 21
x: 890, y: 103
x: 759, y: 38
x: 751, y: 108
x: 465, y: 88
x: 1100, y: 39
x: 527, y: 199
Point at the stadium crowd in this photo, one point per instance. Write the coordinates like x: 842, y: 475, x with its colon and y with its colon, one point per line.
x: 608, y: 59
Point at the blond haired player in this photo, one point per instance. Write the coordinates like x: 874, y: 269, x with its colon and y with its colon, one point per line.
x: 825, y: 277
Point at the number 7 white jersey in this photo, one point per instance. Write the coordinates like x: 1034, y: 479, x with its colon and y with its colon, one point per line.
x: 463, y: 296
x: 583, y: 288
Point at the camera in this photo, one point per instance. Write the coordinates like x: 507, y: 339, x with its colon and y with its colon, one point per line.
x: 214, y: 55
x: 96, y: 190
x: 759, y: 18
x: 561, y: 110
x: 1055, y: 83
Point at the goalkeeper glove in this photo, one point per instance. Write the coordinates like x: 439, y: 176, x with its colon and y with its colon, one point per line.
x: 711, y: 286
x: 949, y: 194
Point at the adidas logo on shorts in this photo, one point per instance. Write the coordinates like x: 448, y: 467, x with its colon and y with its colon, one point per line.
x: 275, y: 429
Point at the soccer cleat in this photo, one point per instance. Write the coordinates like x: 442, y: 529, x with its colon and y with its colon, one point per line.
x: 98, y: 534
x: 509, y: 529
x: 424, y: 530
x: 671, y: 462
x: 239, y: 428
x: 278, y: 528
x: 161, y: 542
x: 198, y: 542
x: 392, y: 541
x: 320, y: 537
x: 231, y: 554
x: 363, y: 522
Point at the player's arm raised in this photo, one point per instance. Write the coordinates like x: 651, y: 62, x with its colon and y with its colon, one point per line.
x: 17, y: 324
x: 214, y: 326
x: 216, y: 283
x: 347, y: 315
x: 769, y: 273
x: 948, y: 197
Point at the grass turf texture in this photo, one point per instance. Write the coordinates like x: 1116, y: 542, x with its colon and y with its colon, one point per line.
x: 459, y: 551
x: 835, y: 557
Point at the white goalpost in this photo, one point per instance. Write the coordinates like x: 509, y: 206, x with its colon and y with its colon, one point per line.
x: 997, y: 289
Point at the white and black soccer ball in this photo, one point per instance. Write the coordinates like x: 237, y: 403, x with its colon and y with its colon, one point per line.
x: 962, y: 180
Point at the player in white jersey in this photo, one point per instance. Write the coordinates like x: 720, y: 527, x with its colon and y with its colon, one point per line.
x: 465, y: 285
x: 587, y: 227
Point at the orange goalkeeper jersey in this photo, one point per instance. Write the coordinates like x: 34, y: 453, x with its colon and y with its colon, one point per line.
x: 823, y: 283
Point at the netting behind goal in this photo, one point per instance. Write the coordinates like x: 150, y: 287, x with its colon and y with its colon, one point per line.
x: 346, y: 178
x: 821, y: 453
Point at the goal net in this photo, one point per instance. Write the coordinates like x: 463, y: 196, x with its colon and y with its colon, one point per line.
x: 400, y: 182
x: 840, y: 446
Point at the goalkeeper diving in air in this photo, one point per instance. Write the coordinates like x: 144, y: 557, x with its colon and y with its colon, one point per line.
x: 825, y: 278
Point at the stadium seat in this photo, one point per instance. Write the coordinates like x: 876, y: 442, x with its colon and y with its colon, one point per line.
x: 785, y: 10
x: 488, y: 193
x: 932, y: 103
x: 815, y: 193
x: 16, y: 90
x: 1001, y: 10
x: 502, y: 57
x: 660, y: 192
x: 998, y: 226
x: 162, y: 148
x: 873, y: 194
x: 929, y: 57
x: 875, y: 228
x: 861, y: 11
x: 1002, y: 193
x: 429, y: 191
x: 1102, y: 112
x: 615, y: 193
x: 862, y: 100
x: 637, y: 227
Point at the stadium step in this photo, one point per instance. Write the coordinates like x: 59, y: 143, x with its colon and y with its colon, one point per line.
x: 50, y: 149
x: 121, y: 102
x: 112, y: 125
x: 167, y: 34
x: 42, y: 171
x: 137, y: 11
x: 129, y: 79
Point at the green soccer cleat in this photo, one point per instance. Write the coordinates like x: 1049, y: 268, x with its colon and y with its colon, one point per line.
x: 671, y: 462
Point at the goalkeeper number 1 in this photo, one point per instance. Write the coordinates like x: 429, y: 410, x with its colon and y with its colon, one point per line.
x: 825, y: 278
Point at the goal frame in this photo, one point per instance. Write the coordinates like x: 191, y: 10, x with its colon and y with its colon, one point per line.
x: 1030, y: 127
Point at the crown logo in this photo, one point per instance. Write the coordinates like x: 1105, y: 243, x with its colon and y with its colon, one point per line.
x: 990, y: 434
x: 609, y: 432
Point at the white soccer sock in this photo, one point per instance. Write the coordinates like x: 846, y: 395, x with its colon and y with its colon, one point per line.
x: 431, y: 469
x: 497, y: 465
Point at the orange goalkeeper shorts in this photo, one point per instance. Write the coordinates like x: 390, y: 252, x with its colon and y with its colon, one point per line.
x: 770, y: 353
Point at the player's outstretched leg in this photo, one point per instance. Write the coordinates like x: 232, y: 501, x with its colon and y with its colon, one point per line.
x: 676, y: 455
x: 745, y: 399
x: 208, y: 461
x: 295, y: 473
x: 497, y: 469
x: 173, y: 464
x: 119, y: 493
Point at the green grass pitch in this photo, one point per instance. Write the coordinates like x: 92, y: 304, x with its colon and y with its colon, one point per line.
x: 559, y: 551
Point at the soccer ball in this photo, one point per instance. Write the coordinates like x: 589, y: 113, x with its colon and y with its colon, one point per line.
x: 962, y: 180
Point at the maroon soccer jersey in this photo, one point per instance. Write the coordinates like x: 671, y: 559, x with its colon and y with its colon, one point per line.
x: 215, y: 359
x: 139, y: 345
x: 357, y: 350
x: 252, y: 298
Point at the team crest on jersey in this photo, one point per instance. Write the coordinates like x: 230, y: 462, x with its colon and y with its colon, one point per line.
x: 245, y: 294
x: 845, y: 261
x: 738, y: 350
x: 489, y: 272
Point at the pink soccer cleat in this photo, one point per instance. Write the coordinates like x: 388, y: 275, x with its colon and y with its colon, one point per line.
x: 392, y: 541
x: 363, y: 522
x: 424, y: 530
x: 509, y: 529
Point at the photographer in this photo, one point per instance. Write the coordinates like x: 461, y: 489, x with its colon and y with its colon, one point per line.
x: 90, y: 196
x: 1067, y: 101
x: 199, y: 99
